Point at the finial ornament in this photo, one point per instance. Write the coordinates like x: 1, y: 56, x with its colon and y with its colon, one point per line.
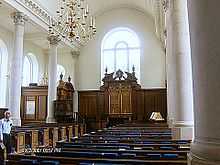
x: 61, y: 76
x: 69, y: 79
x: 106, y: 70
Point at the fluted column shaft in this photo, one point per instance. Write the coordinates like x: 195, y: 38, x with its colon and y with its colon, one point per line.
x: 180, y: 94
x: 52, y: 77
x: 204, y: 32
x: 16, y: 68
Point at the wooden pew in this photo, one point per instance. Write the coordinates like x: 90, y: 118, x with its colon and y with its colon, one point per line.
x: 76, y: 130
x: 137, y: 145
x: 19, y: 141
x: 15, y: 159
x: 70, y: 132
x: 152, y: 146
x: 34, y: 139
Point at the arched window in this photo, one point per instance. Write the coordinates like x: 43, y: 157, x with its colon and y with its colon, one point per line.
x: 60, y: 69
x: 30, y: 69
x: 121, y: 50
x: 3, y: 73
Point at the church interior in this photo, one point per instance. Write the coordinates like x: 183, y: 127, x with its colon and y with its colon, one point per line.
x: 117, y: 82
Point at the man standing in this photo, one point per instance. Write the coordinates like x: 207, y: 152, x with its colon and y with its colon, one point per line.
x: 5, y: 131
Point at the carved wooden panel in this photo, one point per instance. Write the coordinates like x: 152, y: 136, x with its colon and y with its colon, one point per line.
x: 63, y: 133
x: 46, y: 136
x: 70, y: 131
x: 34, y: 139
x: 42, y: 104
x: 76, y: 129
x: 20, y: 142
x: 55, y: 136
x: 126, y: 104
x: 114, y: 101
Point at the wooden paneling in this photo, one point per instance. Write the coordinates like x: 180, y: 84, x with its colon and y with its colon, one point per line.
x: 155, y: 100
x: 46, y: 137
x: 144, y: 102
x: 37, y: 96
x: 42, y: 112
x: 55, y: 135
x: 34, y: 139
x: 70, y: 132
x: 76, y: 130
x: 91, y: 104
x: 20, y: 142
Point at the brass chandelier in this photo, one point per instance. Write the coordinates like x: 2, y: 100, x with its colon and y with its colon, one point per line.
x: 73, y: 21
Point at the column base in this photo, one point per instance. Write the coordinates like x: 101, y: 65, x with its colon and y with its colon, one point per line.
x: 16, y: 121
x: 194, y: 160
x: 170, y: 122
x: 204, y: 151
x: 183, y: 130
x: 50, y: 120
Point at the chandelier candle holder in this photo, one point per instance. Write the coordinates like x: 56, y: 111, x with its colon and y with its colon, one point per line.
x: 73, y: 22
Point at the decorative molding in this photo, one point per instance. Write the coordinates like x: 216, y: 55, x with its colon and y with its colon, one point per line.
x: 159, y: 18
x: 36, y: 9
x: 183, y: 124
x: 166, y: 5
x: 40, y: 16
x: 19, y: 18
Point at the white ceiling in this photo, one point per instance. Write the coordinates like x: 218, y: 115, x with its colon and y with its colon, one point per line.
x: 100, y: 6
x: 97, y: 7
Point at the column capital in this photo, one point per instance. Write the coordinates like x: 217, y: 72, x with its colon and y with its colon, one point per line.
x: 53, y: 39
x: 166, y: 5
x: 75, y: 54
x: 19, y: 18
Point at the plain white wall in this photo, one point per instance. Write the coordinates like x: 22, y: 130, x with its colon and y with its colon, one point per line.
x: 152, y: 56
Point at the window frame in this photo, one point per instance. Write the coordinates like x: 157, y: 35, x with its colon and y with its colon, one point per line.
x: 34, y: 65
x: 115, y: 49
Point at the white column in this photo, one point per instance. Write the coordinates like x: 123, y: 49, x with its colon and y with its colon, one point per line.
x: 180, y: 95
x: 205, y: 39
x: 16, y: 68
x: 52, y: 77
x: 75, y: 55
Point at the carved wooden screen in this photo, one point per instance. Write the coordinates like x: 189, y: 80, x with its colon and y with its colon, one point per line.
x: 120, y: 100
x: 126, y: 103
x: 114, y: 100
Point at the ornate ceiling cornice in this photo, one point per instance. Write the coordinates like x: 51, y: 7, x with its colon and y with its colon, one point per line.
x: 159, y: 12
x: 39, y: 15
